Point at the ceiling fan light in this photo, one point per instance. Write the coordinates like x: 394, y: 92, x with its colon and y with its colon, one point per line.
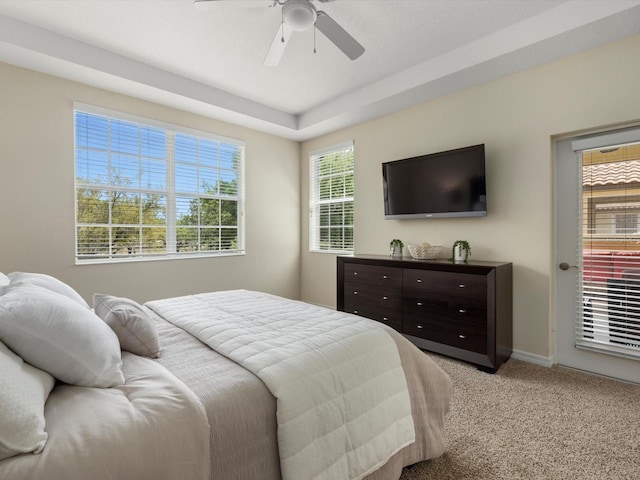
x: 300, y: 15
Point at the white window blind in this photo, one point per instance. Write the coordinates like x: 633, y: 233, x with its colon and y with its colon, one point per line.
x: 150, y: 190
x: 609, y: 287
x: 331, y: 199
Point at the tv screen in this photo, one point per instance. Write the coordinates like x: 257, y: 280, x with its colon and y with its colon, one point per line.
x: 445, y: 184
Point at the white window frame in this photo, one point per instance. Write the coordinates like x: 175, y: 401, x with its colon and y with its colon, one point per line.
x: 169, y: 191
x: 315, y: 203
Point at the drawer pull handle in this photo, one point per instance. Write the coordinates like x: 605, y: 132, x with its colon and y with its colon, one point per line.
x: 385, y: 319
x: 355, y: 311
x: 355, y: 273
x: 419, y: 304
x: 355, y: 293
x: 463, y: 337
x: 384, y: 276
x: 462, y: 310
x: 420, y: 326
x: 419, y: 280
x: 462, y: 285
x: 384, y: 298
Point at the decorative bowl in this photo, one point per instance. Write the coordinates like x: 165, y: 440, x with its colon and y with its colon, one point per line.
x: 421, y: 252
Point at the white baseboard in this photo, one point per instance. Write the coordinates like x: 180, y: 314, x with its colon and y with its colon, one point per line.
x: 532, y: 358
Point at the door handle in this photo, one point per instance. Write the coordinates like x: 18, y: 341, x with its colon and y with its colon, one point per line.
x: 566, y: 266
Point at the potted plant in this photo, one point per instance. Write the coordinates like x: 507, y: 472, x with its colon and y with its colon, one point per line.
x: 396, y: 247
x: 461, y: 251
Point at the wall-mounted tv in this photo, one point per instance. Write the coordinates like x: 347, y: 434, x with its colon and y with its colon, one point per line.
x: 444, y: 184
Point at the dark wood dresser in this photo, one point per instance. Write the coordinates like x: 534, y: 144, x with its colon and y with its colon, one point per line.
x: 463, y: 310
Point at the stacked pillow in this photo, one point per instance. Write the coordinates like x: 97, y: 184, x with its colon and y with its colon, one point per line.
x: 58, y: 333
x: 131, y: 323
x: 23, y: 391
x: 48, y: 332
x: 49, y: 283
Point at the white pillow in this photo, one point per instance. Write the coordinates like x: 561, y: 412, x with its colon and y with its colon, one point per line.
x: 23, y: 391
x: 60, y: 336
x: 130, y: 322
x: 50, y: 283
x: 4, y: 280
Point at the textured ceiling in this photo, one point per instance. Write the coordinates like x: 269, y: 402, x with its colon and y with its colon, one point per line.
x: 210, y: 62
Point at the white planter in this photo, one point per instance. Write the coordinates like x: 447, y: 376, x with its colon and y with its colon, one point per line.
x: 460, y: 254
x: 396, y: 251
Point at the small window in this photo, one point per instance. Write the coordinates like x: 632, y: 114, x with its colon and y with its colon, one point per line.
x: 331, y: 199
x: 149, y: 190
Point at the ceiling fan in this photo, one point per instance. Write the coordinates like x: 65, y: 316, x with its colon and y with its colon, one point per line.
x: 298, y: 16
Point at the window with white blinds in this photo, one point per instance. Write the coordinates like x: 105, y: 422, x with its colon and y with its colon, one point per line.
x: 147, y: 190
x: 609, y: 290
x: 331, y: 199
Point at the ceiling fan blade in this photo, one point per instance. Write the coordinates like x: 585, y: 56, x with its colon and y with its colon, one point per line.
x: 278, y: 45
x: 339, y: 36
x: 206, y: 5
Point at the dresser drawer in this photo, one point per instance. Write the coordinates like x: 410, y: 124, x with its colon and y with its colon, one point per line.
x: 391, y: 319
x: 460, y: 334
x: 460, y: 309
x: 445, y: 283
x: 387, y: 315
x: 373, y: 275
x: 365, y: 294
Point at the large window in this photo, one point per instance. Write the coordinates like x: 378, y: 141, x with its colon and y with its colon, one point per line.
x: 331, y: 199
x: 147, y: 190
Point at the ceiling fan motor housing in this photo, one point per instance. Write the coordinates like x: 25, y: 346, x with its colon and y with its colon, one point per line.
x: 300, y: 15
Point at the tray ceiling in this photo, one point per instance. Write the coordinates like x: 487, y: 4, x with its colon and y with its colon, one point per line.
x: 211, y: 62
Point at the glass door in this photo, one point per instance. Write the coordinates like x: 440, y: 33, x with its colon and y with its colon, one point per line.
x: 598, y: 255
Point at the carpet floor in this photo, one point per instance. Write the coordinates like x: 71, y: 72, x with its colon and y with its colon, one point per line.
x: 533, y: 422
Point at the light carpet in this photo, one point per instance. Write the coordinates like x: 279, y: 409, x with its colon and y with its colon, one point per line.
x: 532, y: 422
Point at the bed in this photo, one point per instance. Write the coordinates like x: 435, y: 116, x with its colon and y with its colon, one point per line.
x: 248, y: 408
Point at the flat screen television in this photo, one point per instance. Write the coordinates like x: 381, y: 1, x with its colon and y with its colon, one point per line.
x: 444, y: 184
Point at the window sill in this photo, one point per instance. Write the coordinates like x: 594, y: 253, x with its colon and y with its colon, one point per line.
x: 107, y: 261
x: 333, y: 252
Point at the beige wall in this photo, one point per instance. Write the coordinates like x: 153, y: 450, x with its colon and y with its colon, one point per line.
x: 37, y: 198
x: 516, y: 118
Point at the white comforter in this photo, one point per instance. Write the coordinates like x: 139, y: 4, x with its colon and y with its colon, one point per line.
x: 343, y: 408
